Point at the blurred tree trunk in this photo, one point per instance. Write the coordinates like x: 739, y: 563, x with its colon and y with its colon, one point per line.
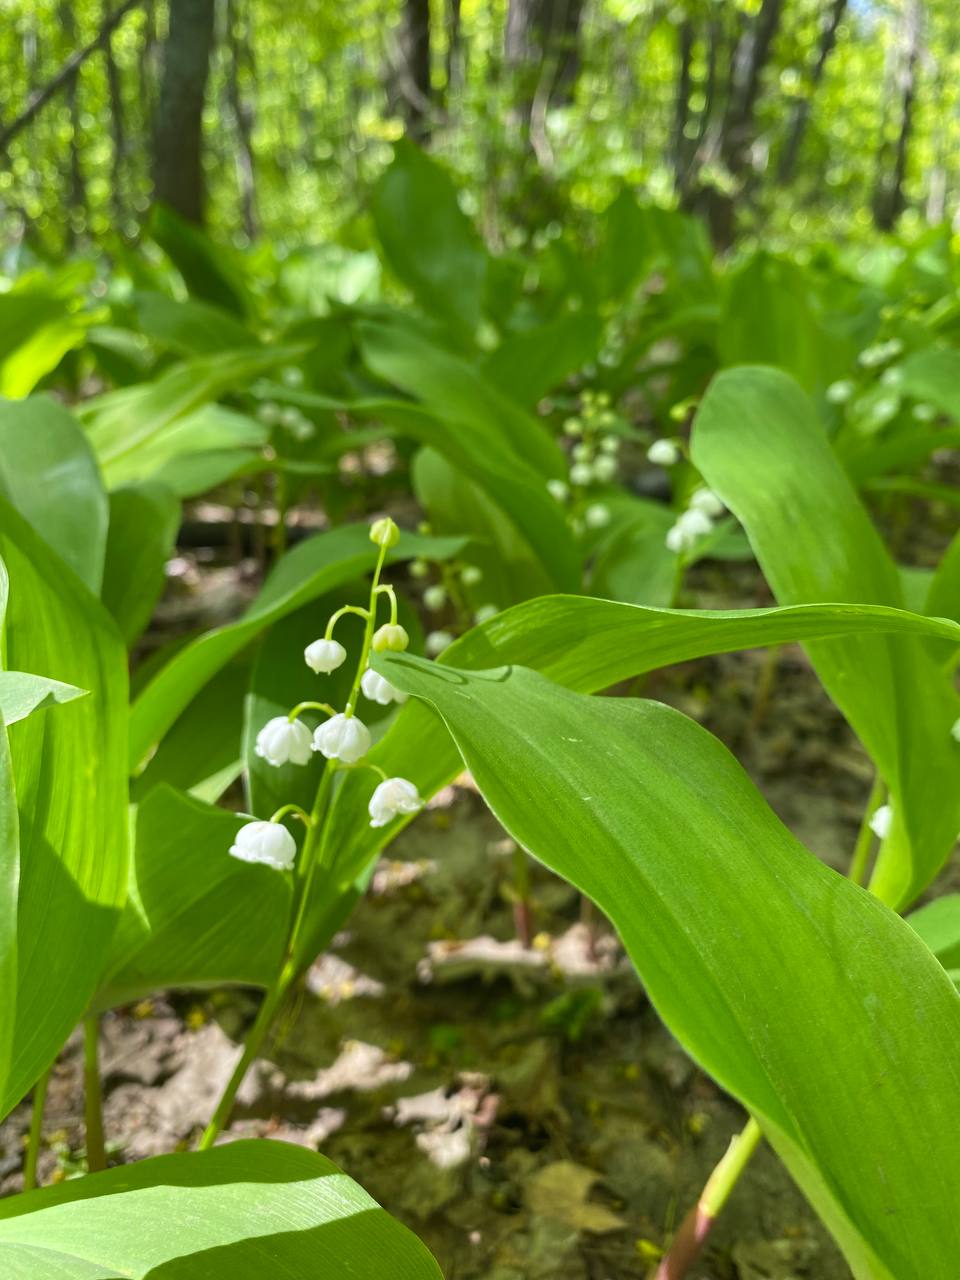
x: 681, y: 112
x: 416, y: 99
x: 117, y: 123
x: 888, y: 197
x: 178, y: 129
x: 242, y: 110
x: 800, y: 115
x: 76, y: 186
x: 542, y: 48
x: 455, y: 60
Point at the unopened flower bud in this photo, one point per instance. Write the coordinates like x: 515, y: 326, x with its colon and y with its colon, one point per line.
x: 391, y: 798
x: 706, y: 500
x: 324, y: 656
x: 378, y: 689
x: 266, y: 842
x: 581, y: 473
x: 610, y: 444
x: 573, y: 427
x: 485, y: 613
x: 559, y: 490
x: 435, y: 597
x: 419, y: 568
x: 384, y: 532
x: 436, y: 642
x: 663, y: 453
x: 342, y: 738
x: 605, y: 468
x: 581, y: 452
x: 471, y: 575
x: 597, y: 516
x: 391, y: 637
x: 840, y: 392
x: 882, y: 821
x: 282, y: 741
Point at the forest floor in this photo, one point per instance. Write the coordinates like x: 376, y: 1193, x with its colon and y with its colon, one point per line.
x: 521, y: 1108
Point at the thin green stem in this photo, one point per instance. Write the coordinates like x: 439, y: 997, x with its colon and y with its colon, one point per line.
x: 367, y: 635
x: 93, y: 1100
x: 255, y: 1038
x: 36, y: 1131
x: 342, y: 613
x: 387, y: 590
x: 861, y: 850
x: 310, y: 706
x: 291, y: 808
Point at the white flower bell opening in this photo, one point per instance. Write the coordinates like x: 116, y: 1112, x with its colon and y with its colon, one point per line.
x: 882, y: 821
x: 663, y: 453
x: 689, y: 529
x: 391, y: 798
x: 265, y: 842
x: 324, y: 656
x: 377, y: 689
x: 343, y: 738
x: 281, y: 741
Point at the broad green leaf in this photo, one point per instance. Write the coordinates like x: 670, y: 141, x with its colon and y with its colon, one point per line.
x: 452, y: 390
x: 250, y: 1210
x: 938, y: 924
x: 195, y: 916
x: 48, y: 472
x: 905, y: 450
x: 428, y: 241
x: 528, y: 364
x: 21, y: 693
x: 512, y: 571
x: 631, y: 561
x: 310, y: 569
x: 943, y: 599
x: 122, y: 423
x: 39, y: 324
x: 759, y: 444
x: 933, y: 376
x: 798, y: 992
x: 144, y: 520
x: 70, y: 782
x: 189, y: 327
x: 210, y: 271
x: 586, y: 645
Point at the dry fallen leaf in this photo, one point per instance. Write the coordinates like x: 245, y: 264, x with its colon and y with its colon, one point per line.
x: 561, y: 1190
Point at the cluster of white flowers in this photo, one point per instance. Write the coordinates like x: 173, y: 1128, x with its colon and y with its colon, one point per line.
x: 880, y: 353
x: 594, y: 455
x: 438, y: 595
x: 289, y: 417
x: 694, y: 523
x: 342, y: 737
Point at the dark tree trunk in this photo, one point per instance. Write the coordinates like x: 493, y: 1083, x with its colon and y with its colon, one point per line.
x: 800, y: 115
x: 455, y: 63
x: 681, y: 109
x: 542, y: 46
x: 888, y: 198
x: 178, y: 130
x: 76, y: 185
x: 241, y: 55
x: 117, y: 123
x: 414, y: 73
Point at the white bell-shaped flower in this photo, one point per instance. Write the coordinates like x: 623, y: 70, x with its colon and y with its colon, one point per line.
x: 663, y: 453
x: 581, y: 473
x: 436, y: 642
x: 324, y: 656
x: 281, y: 741
x: 689, y: 528
x: 605, y: 468
x: 597, y: 516
x: 559, y: 490
x: 706, y: 500
x: 266, y: 842
x: 391, y: 798
x: 882, y: 821
x: 342, y: 738
x: 379, y: 690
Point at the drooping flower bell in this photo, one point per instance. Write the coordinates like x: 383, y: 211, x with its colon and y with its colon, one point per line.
x: 436, y: 642
x: 324, y: 656
x: 391, y: 798
x: 343, y: 738
x: 379, y: 690
x: 663, y: 453
x: 882, y: 821
x: 706, y: 500
x: 282, y: 741
x: 267, y: 842
x: 689, y: 528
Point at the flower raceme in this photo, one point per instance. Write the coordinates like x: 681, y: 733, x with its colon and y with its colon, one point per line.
x: 265, y: 842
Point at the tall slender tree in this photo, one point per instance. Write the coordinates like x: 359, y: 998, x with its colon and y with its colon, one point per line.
x: 413, y: 72
x: 178, y: 128
x: 888, y: 195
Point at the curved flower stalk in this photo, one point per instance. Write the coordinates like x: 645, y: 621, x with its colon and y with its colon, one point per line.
x: 343, y: 740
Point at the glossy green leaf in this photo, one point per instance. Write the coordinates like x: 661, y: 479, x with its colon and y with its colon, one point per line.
x: 195, y: 917
x: 933, y: 376
x: 586, y: 645
x: 798, y: 992
x: 210, y: 271
x: 39, y: 324
x: 310, y: 569
x: 121, y: 424
x: 144, y: 520
x: 48, y: 472
x: 528, y: 364
x: 246, y: 1211
x: 189, y: 327
x: 21, y: 694
x: 70, y: 782
x: 428, y: 241
x: 760, y: 446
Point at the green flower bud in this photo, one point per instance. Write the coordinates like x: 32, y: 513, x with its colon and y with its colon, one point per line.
x: 384, y: 532
x: 390, y: 638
